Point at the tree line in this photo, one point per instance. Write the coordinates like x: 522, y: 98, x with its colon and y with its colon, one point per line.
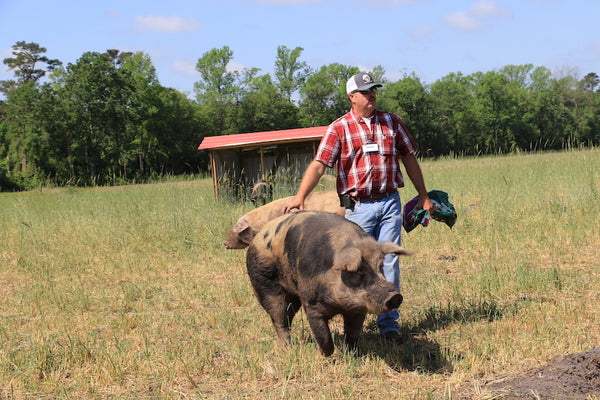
x: 106, y: 119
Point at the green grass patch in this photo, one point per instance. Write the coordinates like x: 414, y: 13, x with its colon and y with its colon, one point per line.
x: 128, y: 292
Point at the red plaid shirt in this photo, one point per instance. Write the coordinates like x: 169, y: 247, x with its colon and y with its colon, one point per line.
x: 372, y: 172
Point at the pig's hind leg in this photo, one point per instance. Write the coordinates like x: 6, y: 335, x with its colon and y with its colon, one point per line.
x: 282, y: 309
x: 264, y: 278
x: 280, y: 304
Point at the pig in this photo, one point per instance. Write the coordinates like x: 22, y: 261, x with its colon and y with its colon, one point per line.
x: 242, y: 233
x: 261, y: 193
x: 326, y: 264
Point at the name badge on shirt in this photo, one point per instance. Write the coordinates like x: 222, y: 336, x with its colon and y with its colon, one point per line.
x: 370, y: 147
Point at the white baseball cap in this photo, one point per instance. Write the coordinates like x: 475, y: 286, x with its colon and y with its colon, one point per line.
x: 362, y: 81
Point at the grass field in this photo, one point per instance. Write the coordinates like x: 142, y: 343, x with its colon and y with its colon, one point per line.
x: 127, y: 292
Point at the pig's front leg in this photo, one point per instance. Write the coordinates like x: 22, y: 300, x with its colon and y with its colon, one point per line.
x: 320, y: 329
x: 353, y: 324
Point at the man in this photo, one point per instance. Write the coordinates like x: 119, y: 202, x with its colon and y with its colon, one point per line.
x: 366, y: 144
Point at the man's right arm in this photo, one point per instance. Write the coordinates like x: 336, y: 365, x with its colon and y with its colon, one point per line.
x: 313, y: 174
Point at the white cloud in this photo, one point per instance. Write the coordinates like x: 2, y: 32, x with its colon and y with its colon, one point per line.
x: 172, y: 24
x: 470, y: 20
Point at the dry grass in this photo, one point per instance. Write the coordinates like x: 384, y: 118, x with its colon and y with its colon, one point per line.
x: 129, y: 293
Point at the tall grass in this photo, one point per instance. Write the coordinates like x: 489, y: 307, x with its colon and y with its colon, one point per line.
x: 127, y: 292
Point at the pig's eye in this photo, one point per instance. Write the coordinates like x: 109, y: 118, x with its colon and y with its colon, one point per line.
x: 353, y: 279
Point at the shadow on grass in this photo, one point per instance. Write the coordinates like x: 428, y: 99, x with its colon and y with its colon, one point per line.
x: 418, y: 352
x: 435, y: 318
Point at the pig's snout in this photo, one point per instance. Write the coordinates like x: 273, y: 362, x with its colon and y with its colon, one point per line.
x: 394, y: 301
x: 383, y: 298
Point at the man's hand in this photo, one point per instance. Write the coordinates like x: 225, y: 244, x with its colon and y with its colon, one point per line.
x: 294, y: 204
x: 314, y: 172
x: 416, y: 176
x: 425, y: 203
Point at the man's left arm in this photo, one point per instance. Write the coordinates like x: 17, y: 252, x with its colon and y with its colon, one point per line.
x: 413, y: 170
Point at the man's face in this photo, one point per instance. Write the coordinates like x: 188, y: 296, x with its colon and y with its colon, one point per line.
x: 364, y: 102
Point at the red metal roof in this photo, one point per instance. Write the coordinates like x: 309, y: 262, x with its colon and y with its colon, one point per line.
x: 262, y: 138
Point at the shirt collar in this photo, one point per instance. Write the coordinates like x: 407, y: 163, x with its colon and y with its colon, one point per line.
x: 358, y: 118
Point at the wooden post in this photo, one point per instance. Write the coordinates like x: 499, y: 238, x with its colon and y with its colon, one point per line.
x: 262, y: 164
x: 213, y: 172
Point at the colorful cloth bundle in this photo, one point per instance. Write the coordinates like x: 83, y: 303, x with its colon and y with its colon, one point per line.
x: 444, y: 211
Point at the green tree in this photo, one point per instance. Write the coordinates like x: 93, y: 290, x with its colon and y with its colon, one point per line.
x: 517, y: 74
x: 591, y: 82
x: 586, y: 112
x: 23, y: 121
x: 575, y: 104
x: 220, y: 90
x: 25, y: 62
x: 539, y: 109
x: 540, y: 79
x: 409, y: 99
x: 519, y: 109
x: 216, y: 78
x: 137, y: 68
x: 26, y: 146
x: 378, y: 74
x: 117, y: 57
x: 290, y: 73
x: 454, y: 120
x: 96, y: 97
x: 175, y: 129
x: 594, y: 120
x: 264, y: 108
x: 6, y: 182
x: 497, y: 108
x: 323, y: 95
x: 22, y: 126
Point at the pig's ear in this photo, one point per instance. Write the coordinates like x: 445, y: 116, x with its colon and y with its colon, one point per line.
x: 347, y: 259
x: 393, y: 248
x: 241, y: 224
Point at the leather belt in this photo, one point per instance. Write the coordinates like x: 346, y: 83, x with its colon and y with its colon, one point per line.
x: 375, y: 197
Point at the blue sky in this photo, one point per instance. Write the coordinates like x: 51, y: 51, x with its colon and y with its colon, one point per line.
x: 431, y: 38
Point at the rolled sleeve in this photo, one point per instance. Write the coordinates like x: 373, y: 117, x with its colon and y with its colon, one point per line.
x: 329, y: 148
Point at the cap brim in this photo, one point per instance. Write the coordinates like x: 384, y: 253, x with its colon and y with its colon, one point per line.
x: 370, y: 86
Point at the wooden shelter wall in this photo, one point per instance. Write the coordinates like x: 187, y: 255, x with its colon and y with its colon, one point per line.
x: 237, y: 170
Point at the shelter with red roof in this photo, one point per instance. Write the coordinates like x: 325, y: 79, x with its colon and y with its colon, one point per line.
x: 279, y: 158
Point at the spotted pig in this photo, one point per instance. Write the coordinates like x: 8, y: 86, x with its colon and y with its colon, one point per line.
x: 326, y: 264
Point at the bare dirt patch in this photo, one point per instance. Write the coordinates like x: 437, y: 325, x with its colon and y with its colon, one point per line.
x: 565, y: 377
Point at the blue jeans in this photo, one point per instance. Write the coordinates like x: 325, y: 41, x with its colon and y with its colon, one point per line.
x: 382, y: 219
